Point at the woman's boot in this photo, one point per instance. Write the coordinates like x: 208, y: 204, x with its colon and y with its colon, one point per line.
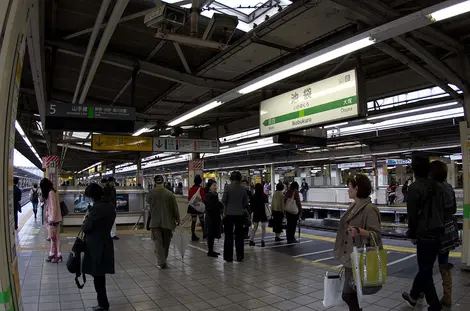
x: 446, y: 274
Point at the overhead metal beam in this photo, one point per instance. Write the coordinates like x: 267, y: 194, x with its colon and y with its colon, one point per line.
x: 148, y: 68
x: 420, y: 51
x: 152, y: 54
x: 273, y: 45
x: 337, y: 66
x: 118, y: 9
x: 122, y: 20
x: 182, y: 57
x: 91, y: 43
x: 416, y: 67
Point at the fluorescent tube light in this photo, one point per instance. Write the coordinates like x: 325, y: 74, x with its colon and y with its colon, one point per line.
x: 198, y: 111
x: 335, y: 125
x: 450, y: 11
x: 386, y: 116
x: 143, y: 130
x: 308, y: 64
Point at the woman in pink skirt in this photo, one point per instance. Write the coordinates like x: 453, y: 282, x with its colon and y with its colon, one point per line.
x: 53, y: 218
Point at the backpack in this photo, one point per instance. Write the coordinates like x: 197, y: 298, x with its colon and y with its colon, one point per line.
x: 64, y: 210
x: 75, y: 260
x: 34, y: 198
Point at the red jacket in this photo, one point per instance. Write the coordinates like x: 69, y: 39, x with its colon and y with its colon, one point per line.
x: 193, y: 190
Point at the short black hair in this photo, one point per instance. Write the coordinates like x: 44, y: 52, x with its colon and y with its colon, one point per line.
x: 158, y: 179
x: 197, y: 180
x: 16, y: 180
x: 420, y: 165
x: 294, y: 186
x: 35, y: 185
x: 104, y: 180
x: 279, y: 187
x: 438, y: 171
x: 111, y: 178
x: 94, y: 192
x: 244, y: 181
x: 236, y: 176
x: 259, y: 188
x: 363, y: 184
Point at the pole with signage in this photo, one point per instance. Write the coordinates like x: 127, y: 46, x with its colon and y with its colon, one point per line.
x: 465, y: 143
x: 14, y: 17
x: 331, y: 99
x: 195, y: 167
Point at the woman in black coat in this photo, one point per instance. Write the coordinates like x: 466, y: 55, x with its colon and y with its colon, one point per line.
x: 99, y: 255
x: 213, y: 222
x: 258, y: 204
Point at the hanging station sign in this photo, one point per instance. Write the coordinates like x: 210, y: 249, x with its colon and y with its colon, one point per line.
x: 168, y: 144
x: 331, y: 99
x: 90, y: 118
x: 121, y: 143
x: 155, y: 144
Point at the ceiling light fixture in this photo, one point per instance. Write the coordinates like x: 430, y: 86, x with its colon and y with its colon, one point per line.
x: 451, y: 11
x: 196, y: 112
x: 318, y: 58
x: 143, y: 130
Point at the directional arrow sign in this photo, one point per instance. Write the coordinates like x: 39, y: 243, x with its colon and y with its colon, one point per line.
x: 121, y: 143
x: 98, y: 141
x: 168, y: 144
x: 327, y: 100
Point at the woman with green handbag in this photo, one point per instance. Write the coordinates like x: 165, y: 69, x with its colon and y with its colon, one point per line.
x: 360, y: 224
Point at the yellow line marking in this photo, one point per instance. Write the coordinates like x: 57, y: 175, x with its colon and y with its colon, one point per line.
x: 318, y: 264
x: 401, y: 249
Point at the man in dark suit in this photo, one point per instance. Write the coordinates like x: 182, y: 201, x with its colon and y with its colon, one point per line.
x: 17, y: 199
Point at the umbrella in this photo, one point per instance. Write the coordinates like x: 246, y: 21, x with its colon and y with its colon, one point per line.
x: 357, y: 273
x: 181, y: 240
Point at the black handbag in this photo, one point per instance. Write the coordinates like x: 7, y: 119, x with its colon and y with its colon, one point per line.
x: 75, y: 259
x: 64, y: 210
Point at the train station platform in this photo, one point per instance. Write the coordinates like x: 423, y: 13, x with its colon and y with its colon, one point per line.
x: 277, y: 277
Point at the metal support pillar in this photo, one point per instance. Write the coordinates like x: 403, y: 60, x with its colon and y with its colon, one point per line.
x: 15, y: 26
x: 139, y: 173
x: 376, y: 179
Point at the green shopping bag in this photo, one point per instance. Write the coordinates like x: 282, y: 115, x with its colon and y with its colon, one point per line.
x: 372, y: 267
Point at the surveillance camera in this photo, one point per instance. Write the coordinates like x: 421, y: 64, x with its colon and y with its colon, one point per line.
x: 166, y: 17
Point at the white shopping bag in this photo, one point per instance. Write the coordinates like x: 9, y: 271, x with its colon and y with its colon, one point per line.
x: 196, y: 202
x: 332, y: 290
x: 357, y: 274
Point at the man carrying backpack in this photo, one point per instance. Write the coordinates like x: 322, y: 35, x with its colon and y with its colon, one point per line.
x: 34, y: 198
x: 426, y: 199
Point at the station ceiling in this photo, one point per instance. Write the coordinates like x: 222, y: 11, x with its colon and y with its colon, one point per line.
x: 173, y: 78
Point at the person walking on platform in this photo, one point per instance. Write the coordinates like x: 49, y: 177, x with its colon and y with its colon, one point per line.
x: 258, y: 204
x: 425, y: 208
x: 164, y: 216
x: 53, y: 218
x: 192, y: 211
x: 438, y: 172
x: 235, y: 201
x: 109, y: 193
x: 360, y: 225
x: 16, y: 200
x: 293, y: 194
x: 99, y: 254
x: 247, y: 224
x: 213, y: 221
x: 278, y: 208
x: 404, y: 191
x: 304, y: 190
x: 34, y: 198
